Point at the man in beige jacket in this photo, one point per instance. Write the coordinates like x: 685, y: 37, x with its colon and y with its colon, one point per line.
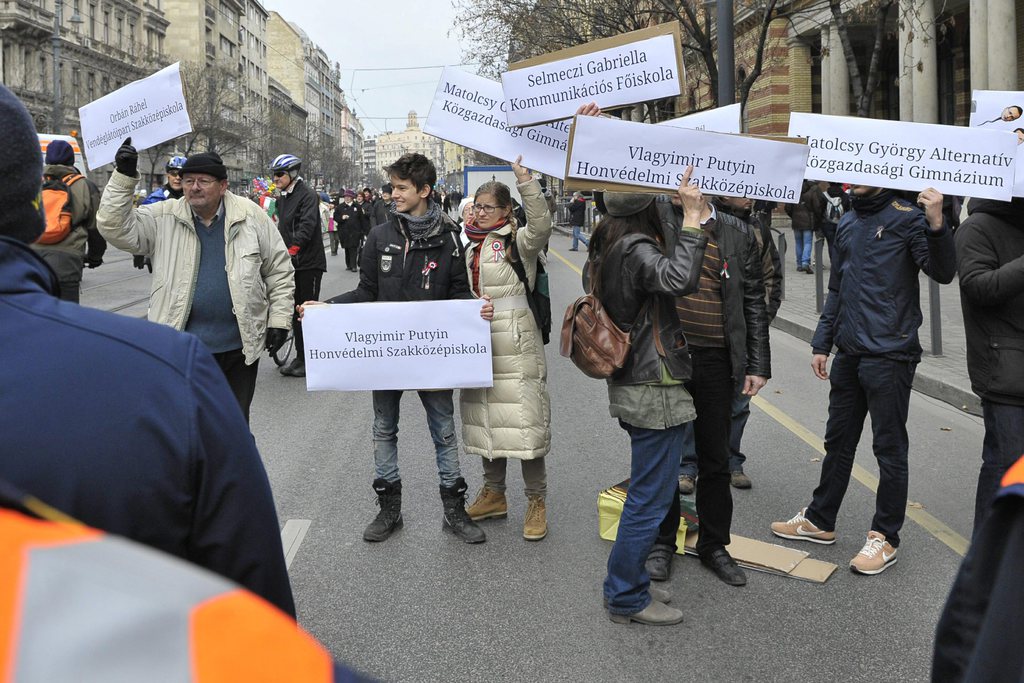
x: 220, y: 268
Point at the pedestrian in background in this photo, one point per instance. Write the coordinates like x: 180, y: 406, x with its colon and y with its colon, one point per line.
x: 577, y: 216
x: 806, y: 216
x: 511, y: 419
x: 82, y: 245
x: 349, y: 220
x: 872, y: 315
x: 990, y: 255
x: 298, y: 212
x: 127, y: 426
x: 637, y: 280
x: 220, y: 269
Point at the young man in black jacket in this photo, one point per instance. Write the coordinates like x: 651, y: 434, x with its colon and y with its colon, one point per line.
x: 872, y: 315
x: 298, y: 216
x: 990, y: 260
x: 415, y: 256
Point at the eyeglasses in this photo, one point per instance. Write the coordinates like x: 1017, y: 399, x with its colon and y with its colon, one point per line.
x: 201, y: 182
x: 174, y: 174
x: 486, y: 208
x: 278, y: 174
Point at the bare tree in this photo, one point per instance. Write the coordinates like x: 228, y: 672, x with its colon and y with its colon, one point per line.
x: 214, y: 107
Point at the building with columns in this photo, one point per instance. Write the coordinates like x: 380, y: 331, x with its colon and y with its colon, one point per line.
x: 390, y: 146
x: 104, y: 45
x: 933, y: 55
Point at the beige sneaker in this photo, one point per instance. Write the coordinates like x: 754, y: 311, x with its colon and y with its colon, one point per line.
x: 535, y: 526
x: 800, y: 529
x: 489, y: 504
x: 875, y: 557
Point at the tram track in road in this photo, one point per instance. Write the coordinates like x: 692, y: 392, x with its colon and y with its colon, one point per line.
x: 130, y: 304
x: 114, y: 282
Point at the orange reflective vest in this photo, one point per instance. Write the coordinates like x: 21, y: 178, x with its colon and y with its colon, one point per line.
x: 80, y: 605
x: 1013, y: 480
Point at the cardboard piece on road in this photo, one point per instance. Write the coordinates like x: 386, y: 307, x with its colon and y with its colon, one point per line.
x: 1001, y: 110
x: 607, y: 87
x: 772, y: 559
x: 469, y: 110
x: 955, y: 160
x: 727, y: 165
x: 150, y: 111
x: 720, y: 120
x: 397, y: 345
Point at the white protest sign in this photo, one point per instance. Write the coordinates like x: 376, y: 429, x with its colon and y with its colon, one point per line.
x: 720, y: 120
x: 399, y: 345
x: 1002, y: 110
x: 469, y: 110
x: 609, y: 153
x: 631, y: 69
x: 150, y: 111
x: 907, y: 156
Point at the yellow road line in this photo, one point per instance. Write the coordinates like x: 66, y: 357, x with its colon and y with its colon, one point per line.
x: 926, y: 520
x: 565, y: 261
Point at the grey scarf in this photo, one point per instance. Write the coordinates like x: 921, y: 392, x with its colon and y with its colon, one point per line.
x: 425, y: 226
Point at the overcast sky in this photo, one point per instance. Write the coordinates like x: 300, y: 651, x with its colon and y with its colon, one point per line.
x: 364, y: 34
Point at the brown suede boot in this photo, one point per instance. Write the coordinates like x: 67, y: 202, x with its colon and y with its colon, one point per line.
x: 489, y: 504
x: 535, y: 526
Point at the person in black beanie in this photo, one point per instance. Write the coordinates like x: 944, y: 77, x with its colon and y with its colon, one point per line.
x: 168, y: 461
x: 210, y: 249
x: 83, y: 245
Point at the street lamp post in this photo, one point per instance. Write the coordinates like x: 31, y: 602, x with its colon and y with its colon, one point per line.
x: 57, y: 118
x: 726, y: 54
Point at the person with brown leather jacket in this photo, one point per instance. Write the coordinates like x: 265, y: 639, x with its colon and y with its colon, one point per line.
x: 638, y: 279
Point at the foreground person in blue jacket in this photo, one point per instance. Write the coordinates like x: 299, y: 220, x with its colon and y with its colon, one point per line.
x: 168, y: 462
x: 871, y: 316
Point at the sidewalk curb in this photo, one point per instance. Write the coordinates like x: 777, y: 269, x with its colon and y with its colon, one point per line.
x: 924, y: 382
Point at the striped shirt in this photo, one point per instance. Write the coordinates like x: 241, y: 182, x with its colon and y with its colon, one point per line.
x: 701, y: 312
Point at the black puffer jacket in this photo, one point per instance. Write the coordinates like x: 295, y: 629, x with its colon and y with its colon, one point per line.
x: 990, y: 260
x: 394, y: 268
x: 298, y: 219
x: 635, y: 272
x: 743, y: 292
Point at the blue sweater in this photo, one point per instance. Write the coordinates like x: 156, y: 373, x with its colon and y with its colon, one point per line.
x: 130, y: 427
x: 211, y: 317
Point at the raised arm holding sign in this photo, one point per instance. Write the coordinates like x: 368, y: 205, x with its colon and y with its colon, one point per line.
x: 150, y: 111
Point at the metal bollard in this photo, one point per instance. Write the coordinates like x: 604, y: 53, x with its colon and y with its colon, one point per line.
x: 935, y: 313
x: 819, y: 274
x: 781, y: 246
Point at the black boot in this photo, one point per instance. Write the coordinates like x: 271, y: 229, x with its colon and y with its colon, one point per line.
x: 659, y: 562
x: 389, y: 498
x: 455, y: 518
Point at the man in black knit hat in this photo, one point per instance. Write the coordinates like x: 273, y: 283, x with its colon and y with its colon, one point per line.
x: 209, y: 249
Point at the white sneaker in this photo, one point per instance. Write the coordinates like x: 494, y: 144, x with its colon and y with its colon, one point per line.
x: 875, y: 557
x: 802, y: 529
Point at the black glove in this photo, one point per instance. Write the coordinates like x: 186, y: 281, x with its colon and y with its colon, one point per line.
x: 139, y: 261
x: 275, y: 339
x: 126, y: 159
x: 91, y: 262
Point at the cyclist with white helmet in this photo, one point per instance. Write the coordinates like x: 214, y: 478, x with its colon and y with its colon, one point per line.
x: 172, y: 189
x: 299, y: 222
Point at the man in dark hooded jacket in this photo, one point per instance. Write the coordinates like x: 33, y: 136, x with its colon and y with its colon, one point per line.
x: 990, y: 260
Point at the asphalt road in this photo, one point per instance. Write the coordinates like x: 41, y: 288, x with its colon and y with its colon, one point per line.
x: 425, y: 607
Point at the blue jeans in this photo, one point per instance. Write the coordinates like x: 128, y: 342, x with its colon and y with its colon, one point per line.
x: 652, y: 485
x: 740, y: 415
x: 578, y: 236
x: 863, y: 385
x: 803, y: 240
x: 441, y: 421
x: 1003, y: 446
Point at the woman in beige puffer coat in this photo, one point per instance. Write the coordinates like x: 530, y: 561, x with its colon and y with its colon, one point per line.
x: 512, y: 419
